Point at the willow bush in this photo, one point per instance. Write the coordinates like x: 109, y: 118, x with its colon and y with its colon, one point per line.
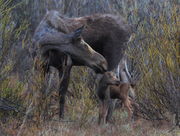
x: 82, y: 101
x: 10, y: 34
x: 153, y: 53
x: 156, y: 59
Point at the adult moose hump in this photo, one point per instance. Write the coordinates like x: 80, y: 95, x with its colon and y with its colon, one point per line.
x: 105, y: 33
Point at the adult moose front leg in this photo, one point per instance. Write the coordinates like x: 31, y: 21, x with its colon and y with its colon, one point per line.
x: 64, y: 81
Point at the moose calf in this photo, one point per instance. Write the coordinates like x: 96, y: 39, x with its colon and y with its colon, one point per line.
x: 111, y: 88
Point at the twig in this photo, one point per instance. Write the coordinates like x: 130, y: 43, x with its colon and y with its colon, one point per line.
x: 30, y: 108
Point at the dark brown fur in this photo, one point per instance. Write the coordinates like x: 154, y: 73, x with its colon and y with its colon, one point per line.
x: 111, y: 88
x: 105, y: 33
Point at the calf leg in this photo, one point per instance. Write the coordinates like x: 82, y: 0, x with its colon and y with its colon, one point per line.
x: 104, y: 107
x: 135, y: 108
x: 112, y: 104
x: 103, y: 112
x: 127, y: 104
x: 64, y: 81
x: 100, y: 113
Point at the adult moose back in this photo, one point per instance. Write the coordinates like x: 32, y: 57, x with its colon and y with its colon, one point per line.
x: 105, y: 33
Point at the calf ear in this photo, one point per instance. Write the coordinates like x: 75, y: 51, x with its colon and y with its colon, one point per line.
x: 77, y: 33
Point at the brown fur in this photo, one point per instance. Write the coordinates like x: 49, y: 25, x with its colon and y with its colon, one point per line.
x: 111, y: 88
x: 105, y: 33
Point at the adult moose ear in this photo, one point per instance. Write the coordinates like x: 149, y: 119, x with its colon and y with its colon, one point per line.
x: 76, y: 35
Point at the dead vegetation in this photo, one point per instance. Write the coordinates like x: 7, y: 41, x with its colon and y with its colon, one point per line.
x: 153, y: 61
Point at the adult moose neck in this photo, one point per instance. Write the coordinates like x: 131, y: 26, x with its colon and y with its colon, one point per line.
x: 105, y: 33
x: 71, y: 44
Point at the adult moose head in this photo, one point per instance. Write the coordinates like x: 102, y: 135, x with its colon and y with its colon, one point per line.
x: 105, y: 33
x: 73, y: 44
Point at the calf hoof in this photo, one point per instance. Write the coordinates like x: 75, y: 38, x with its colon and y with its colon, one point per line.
x: 101, y: 122
x: 61, y: 116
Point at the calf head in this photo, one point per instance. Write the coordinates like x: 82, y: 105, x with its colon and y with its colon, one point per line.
x: 109, y: 78
x: 74, y: 45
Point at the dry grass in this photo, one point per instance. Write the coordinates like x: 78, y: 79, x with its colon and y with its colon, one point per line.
x: 157, y: 60
x: 154, y: 49
x: 68, y: 128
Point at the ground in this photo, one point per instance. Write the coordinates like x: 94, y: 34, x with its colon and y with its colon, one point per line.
x: 119, y: 127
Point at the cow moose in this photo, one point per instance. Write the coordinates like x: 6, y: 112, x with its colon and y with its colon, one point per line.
x: 105, y: 33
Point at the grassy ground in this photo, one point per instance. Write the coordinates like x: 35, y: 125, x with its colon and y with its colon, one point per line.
x: 67, y: 127
x: 158, y: 38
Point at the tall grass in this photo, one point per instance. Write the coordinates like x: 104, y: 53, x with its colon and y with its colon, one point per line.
x: 153, y: 54
x: 156, y: 58
x: 10, y: 87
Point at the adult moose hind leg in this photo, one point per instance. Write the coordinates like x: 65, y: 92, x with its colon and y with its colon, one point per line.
x: 64, y: 81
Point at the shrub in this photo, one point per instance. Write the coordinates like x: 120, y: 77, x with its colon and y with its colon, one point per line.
x: 10, y: 86
x: 155, y: 54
